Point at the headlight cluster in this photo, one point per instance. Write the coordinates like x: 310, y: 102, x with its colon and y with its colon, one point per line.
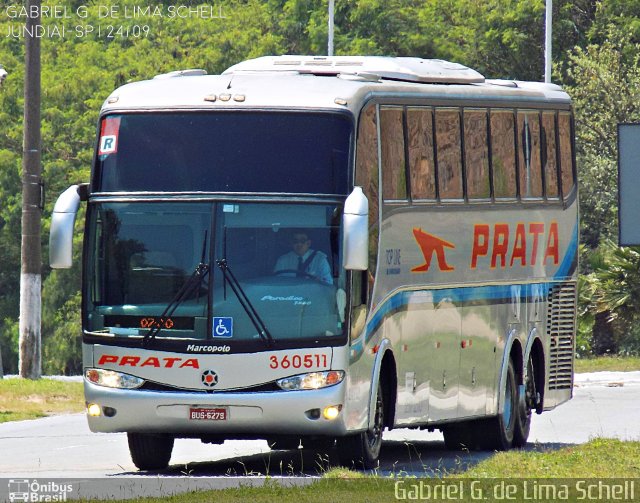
x: 312, y: 380
x: 112, y: 379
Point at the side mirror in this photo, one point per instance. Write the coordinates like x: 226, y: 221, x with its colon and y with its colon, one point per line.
x: 355, y: 231
x: 62, y: 222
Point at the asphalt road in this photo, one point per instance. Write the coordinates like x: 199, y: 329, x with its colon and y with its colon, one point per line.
x: 604, y: 405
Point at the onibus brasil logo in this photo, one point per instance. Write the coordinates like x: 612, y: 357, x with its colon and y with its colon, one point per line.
x: 31, y: 490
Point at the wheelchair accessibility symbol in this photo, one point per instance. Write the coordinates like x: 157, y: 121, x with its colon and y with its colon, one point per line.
x: 222, y: 326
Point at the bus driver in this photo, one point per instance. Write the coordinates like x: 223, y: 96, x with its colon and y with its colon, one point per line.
x: 302, y: 261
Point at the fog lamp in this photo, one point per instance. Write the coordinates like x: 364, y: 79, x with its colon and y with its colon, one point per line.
x: 331, y: 412
x: 93, y: 409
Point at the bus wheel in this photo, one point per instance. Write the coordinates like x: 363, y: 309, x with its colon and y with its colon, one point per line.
x: 500, y: 429
x: 363, y: 449
x: 150, y: 452
x: 525, y: 404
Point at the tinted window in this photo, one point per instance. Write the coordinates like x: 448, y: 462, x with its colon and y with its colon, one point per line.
x: 529, y: 154
x: 549, y: 158
x: 503, y: 154
x: 421, y: 165
x: 143, y: 257
x: 367, y: 178
x: 224, y: 151
x: 394, y: 180
x: 476, y: 154
x: 449, y: 153
x: 367, y: 160
x: 566, y: 156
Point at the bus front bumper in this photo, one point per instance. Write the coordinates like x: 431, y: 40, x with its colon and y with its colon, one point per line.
x: 245, y: 414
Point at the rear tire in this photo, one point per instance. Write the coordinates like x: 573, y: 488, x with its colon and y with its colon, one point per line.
x: 150, y: 452
x: 363, y: 449
x: 525, y: 404
x: 500, y: 430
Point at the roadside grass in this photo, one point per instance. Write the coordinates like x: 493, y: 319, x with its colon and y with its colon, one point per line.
x: 607, y: 363
x: 325, y: 490
x: 597, y: 459
x: 30, y: 399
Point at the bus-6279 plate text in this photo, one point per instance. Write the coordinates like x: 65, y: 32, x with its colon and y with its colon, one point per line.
x: 203, y: 414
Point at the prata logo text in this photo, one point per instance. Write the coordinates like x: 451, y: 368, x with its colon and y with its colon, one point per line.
x: 151, y: 361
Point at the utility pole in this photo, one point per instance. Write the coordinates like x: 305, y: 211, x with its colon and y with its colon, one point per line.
x: 547, y: 40
x: 30, y: 275
x: 330, y: 30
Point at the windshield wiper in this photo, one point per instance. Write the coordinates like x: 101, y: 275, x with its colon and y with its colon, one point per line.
x: 193, y: 281
x: 245, y: 302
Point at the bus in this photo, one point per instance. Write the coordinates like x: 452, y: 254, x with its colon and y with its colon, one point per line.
x: 440, y: 209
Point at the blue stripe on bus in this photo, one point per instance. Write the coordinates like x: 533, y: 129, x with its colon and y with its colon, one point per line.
x: 401, y: 300
x: 570, y: 260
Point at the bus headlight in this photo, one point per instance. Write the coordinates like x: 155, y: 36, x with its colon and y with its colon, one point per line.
x: 312, y: 380
x: 112, y: 379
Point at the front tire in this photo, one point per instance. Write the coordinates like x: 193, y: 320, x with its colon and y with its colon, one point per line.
x: 363, y: 449
x: 150, y: 452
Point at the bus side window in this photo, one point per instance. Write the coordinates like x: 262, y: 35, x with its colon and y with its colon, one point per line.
x: 503, y: 154
x: 359, y: 288
x: 449, y: 153
x: 358, y: 311
x: 476, y: 154
x: 394, y: 178
x: 566, y: 155
x: 367, y: 160
x: 529, y: 154
x: 367, y: 178
x: 549, y: 158
x: 421, y: 162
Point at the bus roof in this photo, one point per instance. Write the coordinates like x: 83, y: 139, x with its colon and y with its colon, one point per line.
x: 375, y: 67
x: 312, y: 82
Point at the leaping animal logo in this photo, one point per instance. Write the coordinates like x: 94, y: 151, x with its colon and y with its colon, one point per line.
x: 430, y: 244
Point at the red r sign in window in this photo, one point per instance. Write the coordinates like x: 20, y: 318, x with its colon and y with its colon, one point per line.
x: 109, y: 136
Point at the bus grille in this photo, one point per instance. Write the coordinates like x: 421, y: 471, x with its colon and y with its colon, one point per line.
x: 561, y: 325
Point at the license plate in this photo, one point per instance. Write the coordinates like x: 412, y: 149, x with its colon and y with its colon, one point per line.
x: 201, y: 414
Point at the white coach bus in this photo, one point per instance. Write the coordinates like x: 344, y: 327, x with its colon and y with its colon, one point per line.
x: 435, y: 216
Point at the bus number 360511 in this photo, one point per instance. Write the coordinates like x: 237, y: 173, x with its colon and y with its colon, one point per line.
x: 298, y: 361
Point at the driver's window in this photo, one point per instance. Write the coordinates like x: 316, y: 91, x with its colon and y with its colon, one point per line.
x: 304, y: 257
x: 359, y: 289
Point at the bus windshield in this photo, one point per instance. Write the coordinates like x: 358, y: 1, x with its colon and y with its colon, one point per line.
x: 275, y: 152
x: 285, y: 258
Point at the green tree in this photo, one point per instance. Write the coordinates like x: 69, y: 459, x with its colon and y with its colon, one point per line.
x: 604, y: 82
x: 614, y: 291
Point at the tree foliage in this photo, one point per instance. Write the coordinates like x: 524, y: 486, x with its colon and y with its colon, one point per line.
x: 604, y: 82
x: 613, y: 291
